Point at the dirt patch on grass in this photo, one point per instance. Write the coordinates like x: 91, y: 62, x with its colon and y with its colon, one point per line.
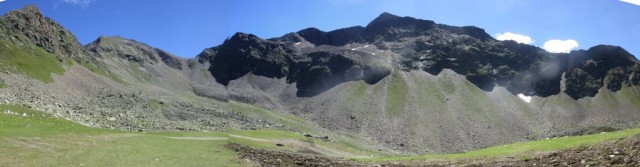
x: 249, y: 138
x: 199, y: 138
x: 263, y: 157
x: 623, y: 152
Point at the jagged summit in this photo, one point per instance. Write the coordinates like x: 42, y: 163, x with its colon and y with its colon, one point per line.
x: 244, y: 53
x: 468, y: 50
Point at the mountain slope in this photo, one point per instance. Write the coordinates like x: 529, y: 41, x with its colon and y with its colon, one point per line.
x: 399, y: 85
x: 441, y: 88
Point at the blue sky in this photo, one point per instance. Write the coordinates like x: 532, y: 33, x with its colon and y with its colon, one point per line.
x: 186, y: 27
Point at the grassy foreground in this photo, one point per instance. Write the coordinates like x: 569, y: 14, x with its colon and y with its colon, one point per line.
x: 33, y: 138
x: 520, y: 148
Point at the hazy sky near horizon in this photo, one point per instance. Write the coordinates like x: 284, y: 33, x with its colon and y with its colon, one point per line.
x: 185, y: 28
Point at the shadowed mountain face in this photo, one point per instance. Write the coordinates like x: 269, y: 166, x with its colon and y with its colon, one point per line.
x: 312, y: 70
x: 425, y: 45
x: 244, y: 53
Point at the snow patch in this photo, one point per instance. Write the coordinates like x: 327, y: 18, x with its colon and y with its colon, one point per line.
x: 525, y: 98
x: 297, y: 43
x: 356, y: 48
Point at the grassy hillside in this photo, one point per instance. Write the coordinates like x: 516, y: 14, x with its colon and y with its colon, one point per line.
x: 29, y: 60
x: 32, y: 138
x: 522, y: 149
x: 100, y: 70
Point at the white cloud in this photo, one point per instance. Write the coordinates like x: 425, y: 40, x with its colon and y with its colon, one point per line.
x: 81, y: 3
x: 560, y: 46
x: 513, y: 36
x: 635, y: 2
x: 1, y: 0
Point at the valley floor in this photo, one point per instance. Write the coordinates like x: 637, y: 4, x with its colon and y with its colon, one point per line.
x: 619, y: 152
x: 33, y: 138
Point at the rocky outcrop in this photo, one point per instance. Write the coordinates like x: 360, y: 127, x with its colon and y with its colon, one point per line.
x: 245, y: 53
x: 313, y: 71
x: 602, y: 65
x: 388, y: 27
x: 133, y: 51
x: 344, y: 36
x: 29, y: 25
x: 322, y: 70
x: 315, y: 36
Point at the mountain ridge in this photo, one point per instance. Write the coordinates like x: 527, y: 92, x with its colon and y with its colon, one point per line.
x: 400, y: 84
x: 544, y: 82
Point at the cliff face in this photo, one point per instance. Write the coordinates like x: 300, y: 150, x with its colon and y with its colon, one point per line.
x: 312, y: 70
x: 424, y: 45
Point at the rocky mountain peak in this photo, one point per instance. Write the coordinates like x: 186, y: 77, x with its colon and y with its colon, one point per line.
x: 244, y: 53
x: 29, y: 25
x: 132, y: 50
x: 239, y: 36
x: 315, y: 36
x: 29, y: 10
x: 388, y: 27
x: 388, y: 19
x: 615, y: 53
